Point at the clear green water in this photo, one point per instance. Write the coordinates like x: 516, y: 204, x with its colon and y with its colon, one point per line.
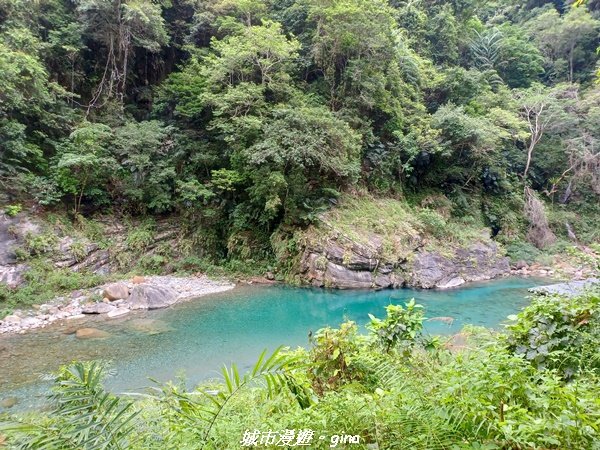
x: 196, y: 338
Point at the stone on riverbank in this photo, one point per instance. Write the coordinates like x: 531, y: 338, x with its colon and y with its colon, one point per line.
x: 148, y: 296
x: 164, y: 291
x: 121, y: 311
x: 569, y: 289
x: 356, y: 266
x: 12, y: 320
x: 98, y: 308
x: 116, y: 291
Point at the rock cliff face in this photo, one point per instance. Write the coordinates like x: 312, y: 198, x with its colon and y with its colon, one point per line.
x: 12, y: 231
x: 68, y: 252
x: 340, y: 264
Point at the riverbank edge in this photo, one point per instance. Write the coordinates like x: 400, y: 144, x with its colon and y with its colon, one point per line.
x: 80, y: 303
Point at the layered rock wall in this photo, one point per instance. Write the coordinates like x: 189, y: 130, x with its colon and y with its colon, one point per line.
x: 336, y: 263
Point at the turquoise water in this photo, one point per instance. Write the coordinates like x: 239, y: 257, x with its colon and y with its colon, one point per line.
x: 196, y: 338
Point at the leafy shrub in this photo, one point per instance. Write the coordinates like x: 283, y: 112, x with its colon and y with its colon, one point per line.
x: 39, y: 244
x: 401, y: 328
x: 559, y: 333
x: 331, y: 357
x: 140, y: 237
x: 84, y: 416
x: 152, y: 263
x: 432, y: 222
x: 43, y: 282
x: 522, y: 251
x: 12, y: 210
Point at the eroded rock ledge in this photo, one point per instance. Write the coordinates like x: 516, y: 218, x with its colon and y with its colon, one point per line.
x: 337, y: 263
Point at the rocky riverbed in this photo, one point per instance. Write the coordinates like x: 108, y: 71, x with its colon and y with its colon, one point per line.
x: 114, y: 300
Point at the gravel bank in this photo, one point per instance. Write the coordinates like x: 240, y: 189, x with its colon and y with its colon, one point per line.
x: 95, y: 301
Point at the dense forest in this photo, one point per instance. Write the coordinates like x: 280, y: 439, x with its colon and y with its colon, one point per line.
x: 287, y: 139
x: 249, y: 117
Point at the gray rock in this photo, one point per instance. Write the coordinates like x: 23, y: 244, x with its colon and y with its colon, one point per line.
x: 12, y: 320
x: 444, y: 319
x: 116, y: 291
x: 480, y: 261
x: 148, y: 296
x: 97, y: 308
x: 521, y: 264
x: 362, y: 266
x: 569, y: 289
x: 13, y: 275
x: 30, y: 322
x: 454, y: 282
x: 342, y: 277
x: 118, y: 312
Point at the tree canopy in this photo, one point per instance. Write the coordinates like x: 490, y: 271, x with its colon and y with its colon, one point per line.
x: 258, y: 114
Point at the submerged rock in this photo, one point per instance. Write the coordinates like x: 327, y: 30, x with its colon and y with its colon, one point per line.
x: 148, y: 296
x: 8, y: 402
x: 149, y: 326
x: 91, y: 333
x: 443, y: 319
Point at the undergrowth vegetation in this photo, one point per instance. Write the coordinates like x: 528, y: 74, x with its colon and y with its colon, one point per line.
x: 397, y: 226
x: 534, y: 386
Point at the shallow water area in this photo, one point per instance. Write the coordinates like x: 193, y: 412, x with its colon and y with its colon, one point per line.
x: 194, y: 339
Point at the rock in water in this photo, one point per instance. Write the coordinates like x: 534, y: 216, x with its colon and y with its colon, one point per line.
x: 443, y: 319
x: 149, y: 296
x: 8, y: 402
x: 91, y: 333
x: 116, y: 291
x: 150, y: 326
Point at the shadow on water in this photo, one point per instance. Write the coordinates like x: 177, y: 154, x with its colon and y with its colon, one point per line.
x: 196, y: 338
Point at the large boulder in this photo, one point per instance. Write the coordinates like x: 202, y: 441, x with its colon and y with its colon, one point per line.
x: 149, y: 296
x: 116, y: 291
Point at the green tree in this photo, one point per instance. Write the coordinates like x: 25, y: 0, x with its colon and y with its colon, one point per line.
x: 568, y: 42
x: 83, y: 164
x: 25, y: 98
x: 120, y: 27
x: 147, y: 155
